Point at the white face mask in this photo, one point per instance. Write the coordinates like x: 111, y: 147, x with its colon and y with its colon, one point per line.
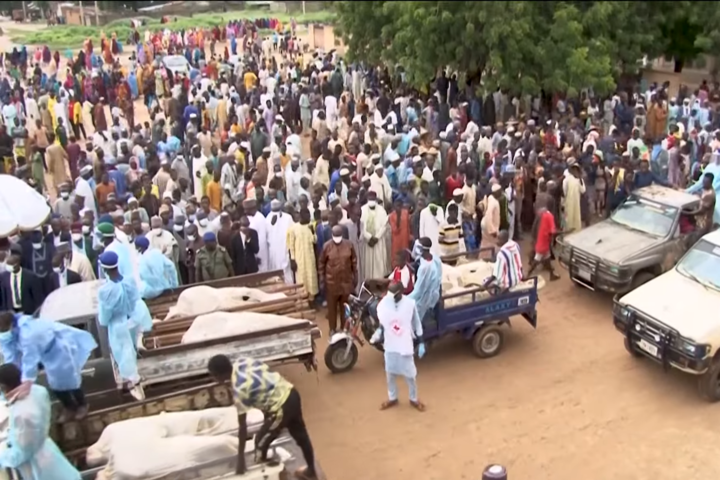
x: 178, y: 228
x: 191, y: 238
x: 57, y: 269
x: 77, y: 237
x: 372, y: 203
x: 337, y: 240
x: 65, y: 195
x: 37, y: 246
x: 157, y: 231
x: 86, y: 229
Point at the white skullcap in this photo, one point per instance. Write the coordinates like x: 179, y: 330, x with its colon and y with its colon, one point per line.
x: 417, y: 159
x: 378, y: 167
x: 344, y: 171
x: 374, y: 156
x: 496, y: 187
x: 457, y: 192
x: 366, y: 178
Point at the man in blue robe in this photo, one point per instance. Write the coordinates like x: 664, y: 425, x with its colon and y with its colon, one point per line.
x: 61, y: 349
x: 117, y: 299
x: 157, y: 272
x: 30, y: 451
x: 428, y: 283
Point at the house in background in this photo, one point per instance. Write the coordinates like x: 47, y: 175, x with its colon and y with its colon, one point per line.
x: 660, y: 70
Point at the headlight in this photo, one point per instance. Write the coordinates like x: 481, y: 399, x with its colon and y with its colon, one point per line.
x: 691, y: 348
x: 613, y: 269
x: 621, y: 312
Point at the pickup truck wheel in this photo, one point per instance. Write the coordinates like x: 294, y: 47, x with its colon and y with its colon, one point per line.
x: 488, y: 341
x: 641, y: 279
x: 709, y: 382
x: 338, y: 359
x: 631, y: 348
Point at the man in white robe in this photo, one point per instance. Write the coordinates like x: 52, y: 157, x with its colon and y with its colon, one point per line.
x: 431, y: 217
x: 381, y: 185
x: 293, y: 175
x: 84, y: 190
x: 163, y: 240
x: 374, y: 223
x: 277, y: 224
x: 257, y: 223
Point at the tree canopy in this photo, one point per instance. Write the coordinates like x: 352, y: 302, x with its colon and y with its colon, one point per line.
x: 556, y: 46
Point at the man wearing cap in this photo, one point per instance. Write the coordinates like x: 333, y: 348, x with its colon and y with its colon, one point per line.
x: 122, y: 251
x: 117, y: 299
x: 293, y: 177
x: 212, y: 261
x: 157, y: 272
x: 21, y: 291
x: 380, y: 184
x: 277, y: 224
x: 161, y: 239
x: 490, y: 223
x: 374, y: 227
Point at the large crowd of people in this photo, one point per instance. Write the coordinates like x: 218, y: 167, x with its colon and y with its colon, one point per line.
x: 263, y: 156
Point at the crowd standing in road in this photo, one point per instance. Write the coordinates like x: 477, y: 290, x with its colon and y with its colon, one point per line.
x: 261, y: 156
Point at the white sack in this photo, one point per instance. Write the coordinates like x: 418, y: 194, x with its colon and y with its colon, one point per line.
x: 470, y: 275
x: 224, y: 324
x: 202, y: 299
x: 212, y: 421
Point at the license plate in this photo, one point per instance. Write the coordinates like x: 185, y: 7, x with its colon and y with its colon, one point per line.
x: 648, y: 347
x: 583, y: 274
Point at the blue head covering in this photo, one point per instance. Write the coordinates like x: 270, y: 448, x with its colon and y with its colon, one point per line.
x: 142, y: 242
x: 105, y: 218
x: 109, y: 259
x: 209, y: 237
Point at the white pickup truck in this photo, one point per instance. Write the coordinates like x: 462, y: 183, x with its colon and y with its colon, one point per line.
x: 673, y: 319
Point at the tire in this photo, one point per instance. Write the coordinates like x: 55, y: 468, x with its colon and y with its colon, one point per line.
x: 335, y: 359
x: 641, y: 279
x: 488, y: 341
x: 709, y: 382
x: 631, y: 349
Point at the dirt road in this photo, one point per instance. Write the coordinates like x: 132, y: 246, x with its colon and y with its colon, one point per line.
x: 563, y: 402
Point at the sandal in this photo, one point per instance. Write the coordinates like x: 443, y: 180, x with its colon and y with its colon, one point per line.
x: 419, y: 406
x: 388, y: 404
x: 302, y: 474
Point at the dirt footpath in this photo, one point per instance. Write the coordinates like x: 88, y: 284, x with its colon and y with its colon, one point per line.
x: 563, y: 402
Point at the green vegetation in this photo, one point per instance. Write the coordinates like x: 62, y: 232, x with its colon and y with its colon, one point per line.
x: 67, y: 36
x: 525, y: 46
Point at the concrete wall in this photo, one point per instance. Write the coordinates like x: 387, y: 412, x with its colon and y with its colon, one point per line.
x: 662, y: 70
x: 323, y: 36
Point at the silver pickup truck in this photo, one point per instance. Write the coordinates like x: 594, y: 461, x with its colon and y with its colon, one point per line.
x: 640, y: 240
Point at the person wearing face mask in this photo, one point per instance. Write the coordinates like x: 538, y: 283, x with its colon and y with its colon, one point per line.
x: 62, y: 276
x: 134, y: 207
x: 21, y: 291
x: 191, y: 242
x: 428, y: 280
x: 65, y: 200
x: 277, y: 224
x: 374, y: 227
x: 397, y: 315
x: 83, y: 241
x: 301, y: 245
x: 212, y: 261
x: 203, y: 225
x: 244, y: 247
x: 74, y: 258
x: 338, y: 273
x: 163, y: 240
x: 117, y: 299
x: 37, y: 256
x: 157, y: 273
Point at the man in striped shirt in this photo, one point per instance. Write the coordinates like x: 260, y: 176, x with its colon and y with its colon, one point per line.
x: 507, y: 271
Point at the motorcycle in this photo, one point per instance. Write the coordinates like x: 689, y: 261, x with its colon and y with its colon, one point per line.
x: 360, y: 325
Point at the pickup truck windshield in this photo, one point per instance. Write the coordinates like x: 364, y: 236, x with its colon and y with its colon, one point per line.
x: 702, y: 264
x: 645, y: 216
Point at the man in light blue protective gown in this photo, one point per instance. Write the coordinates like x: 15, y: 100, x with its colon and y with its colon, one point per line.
x: 714, y: 168
x: 117, y: 300
x: 30, y: 451
x: 157, y: 272
x: 140, y: 318
x: 428, y: 282
x: 62, y: 350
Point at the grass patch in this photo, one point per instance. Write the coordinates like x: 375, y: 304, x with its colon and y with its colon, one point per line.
x: 72, y: 36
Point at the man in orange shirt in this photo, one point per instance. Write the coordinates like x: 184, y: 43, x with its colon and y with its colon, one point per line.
x: 104, y: 189
x: 214, y: 192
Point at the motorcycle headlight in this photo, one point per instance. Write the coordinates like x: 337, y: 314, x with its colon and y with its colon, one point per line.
x: 347, y: 310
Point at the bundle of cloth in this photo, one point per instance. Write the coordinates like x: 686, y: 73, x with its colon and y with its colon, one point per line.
x: 202, y: 299
x: 159, y: 445
x: 223, y: 324
x: 465, y: 277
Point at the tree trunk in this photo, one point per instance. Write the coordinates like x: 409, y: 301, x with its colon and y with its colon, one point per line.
x: 679, y: 64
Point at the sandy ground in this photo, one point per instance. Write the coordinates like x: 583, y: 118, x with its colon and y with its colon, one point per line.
x: 563, y: 402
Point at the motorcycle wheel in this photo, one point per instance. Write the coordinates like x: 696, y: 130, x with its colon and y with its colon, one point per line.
x: 338, y: 359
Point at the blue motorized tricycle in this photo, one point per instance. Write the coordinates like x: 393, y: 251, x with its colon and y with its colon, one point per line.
x: 477, y: 319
